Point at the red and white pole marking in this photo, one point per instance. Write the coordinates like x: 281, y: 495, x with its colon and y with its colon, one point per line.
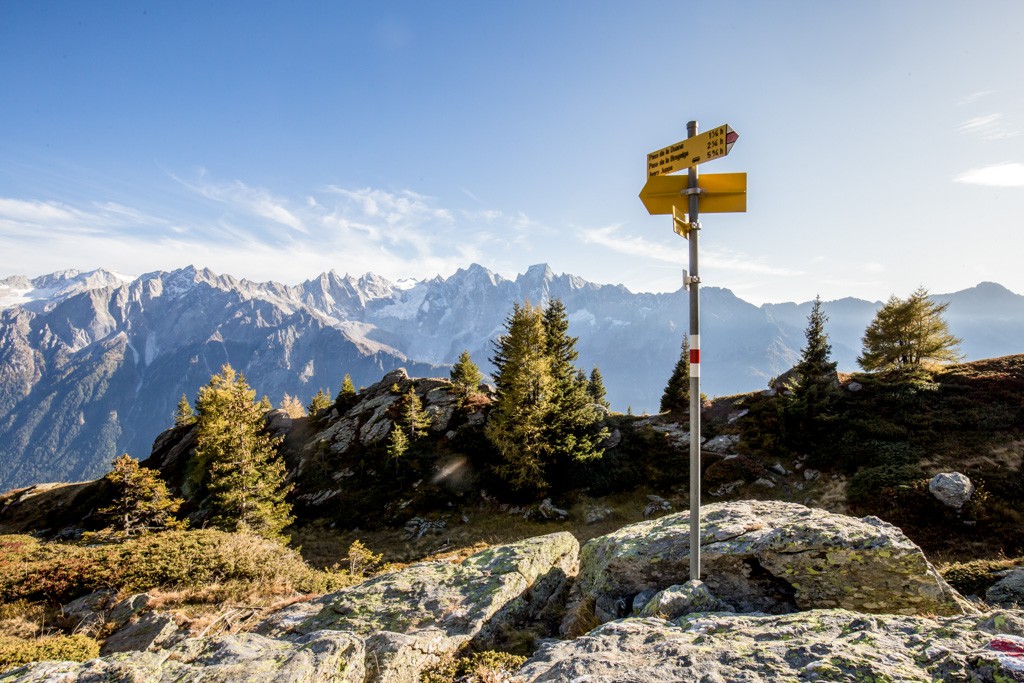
x: 694, y: 355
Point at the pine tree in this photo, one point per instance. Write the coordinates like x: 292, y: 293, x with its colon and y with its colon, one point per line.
x: 321, y: 401
x: 245, y: 475
x: 184, y: 416
x: 142, y: 502
x: 908, y: 336
x: 676, y: 396
x: 466, y: 375
x: 523, y: 400
x: 347, y: 396
x: 595, y: 387
x: 814, y: 389
x: 292, y: 406
x: 575, y: 429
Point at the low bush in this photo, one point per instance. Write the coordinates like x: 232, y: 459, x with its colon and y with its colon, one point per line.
x: 482, y: 667
x: 60, y: 572
x: 74, y: 648
x: 867, y: 486
x: 976, y: 576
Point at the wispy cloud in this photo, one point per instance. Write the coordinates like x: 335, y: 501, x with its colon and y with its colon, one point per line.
x: 1009, y: 174
x: 632, y: 245
x: 232, y: 226
x: 974, y: 97
x: 989, y: 127
x: 251, y: 200
x: 47, y: 219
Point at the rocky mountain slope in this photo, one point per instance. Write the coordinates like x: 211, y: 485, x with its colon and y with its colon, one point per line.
x: 92, y: 364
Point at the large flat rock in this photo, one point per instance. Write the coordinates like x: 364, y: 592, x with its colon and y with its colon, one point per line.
x: 762, y: 556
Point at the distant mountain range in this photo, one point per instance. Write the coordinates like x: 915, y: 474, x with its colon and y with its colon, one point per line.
x: 92, y: 364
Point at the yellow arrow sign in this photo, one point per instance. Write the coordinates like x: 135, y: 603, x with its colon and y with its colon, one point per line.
x: 708, y: 145
x: 680, y: 224
x: 719, y: 193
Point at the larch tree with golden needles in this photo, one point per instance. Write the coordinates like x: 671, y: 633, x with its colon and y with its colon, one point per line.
x: 908, y: 336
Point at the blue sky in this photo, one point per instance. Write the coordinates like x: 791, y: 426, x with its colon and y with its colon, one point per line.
x: 882, y: 140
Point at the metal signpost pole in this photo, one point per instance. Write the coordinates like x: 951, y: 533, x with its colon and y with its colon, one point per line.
x: 664, y: 193
x: 694, y: 287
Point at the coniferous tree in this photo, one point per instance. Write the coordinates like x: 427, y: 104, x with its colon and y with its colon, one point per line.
x: 575, y: 428
x: 321, y: 401
x: 908, y: 336
x: 413, y: 419
x: 183, y: 414
x: 398, y: 444
x: 142, y: 502
x: 245, y: 475
x: 814, y: 389
x: 292, y: 406
x: 595, y: 387
x: 347, y: 396
x: 676, y: 396
x: 523, y: 400
x: 465, y: 375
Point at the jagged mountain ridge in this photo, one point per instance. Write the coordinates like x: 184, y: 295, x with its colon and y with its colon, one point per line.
x: 92, y: 364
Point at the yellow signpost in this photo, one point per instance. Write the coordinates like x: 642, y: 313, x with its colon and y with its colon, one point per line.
x: 692, y: 151
x: 719, y: 193
x: 686, y: 197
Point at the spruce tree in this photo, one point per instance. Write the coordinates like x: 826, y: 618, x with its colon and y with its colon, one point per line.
x: 595, y: 387
x: 814, y: 389
x: 141, y: 500
x: 184, y: 416
x: 908, y: 336
x: 347, y: 395
x: 465, y: 375
x: 321, y: 401
x: 676, y: 397
x: 575, y: 428
x: 245, y: 475
x: 523, y: 399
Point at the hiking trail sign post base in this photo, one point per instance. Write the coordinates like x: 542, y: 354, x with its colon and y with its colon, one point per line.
x: 685, y: 197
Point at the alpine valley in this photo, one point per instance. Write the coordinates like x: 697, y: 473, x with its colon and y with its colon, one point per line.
x: 92, y: 364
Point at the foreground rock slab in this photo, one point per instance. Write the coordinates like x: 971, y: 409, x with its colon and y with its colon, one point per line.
x: 332, y: 657
x: 819, y: 645
x: 762, y: 556
x: 385, y: 630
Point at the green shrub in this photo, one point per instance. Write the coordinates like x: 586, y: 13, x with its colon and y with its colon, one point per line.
x: 61, y: 572
x: 481, y: 667
x: 732, y: 469
x: 976, y: 576
x: 74, y: 648
x: 867, y: 486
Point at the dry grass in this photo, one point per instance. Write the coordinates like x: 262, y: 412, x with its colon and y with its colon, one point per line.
x: 488, y: 525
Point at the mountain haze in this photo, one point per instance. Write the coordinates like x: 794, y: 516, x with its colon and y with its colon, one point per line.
x: 92, y: 364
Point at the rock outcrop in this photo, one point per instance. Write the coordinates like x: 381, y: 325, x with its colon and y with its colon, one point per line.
x: 818, y: 645
x: 817, y: 596
x: 386, y: 629
x: 762, y: 556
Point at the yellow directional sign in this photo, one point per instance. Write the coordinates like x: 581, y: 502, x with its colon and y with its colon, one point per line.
x: 692, y: 151
x: 719, y: 193
x: 680, y: 224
